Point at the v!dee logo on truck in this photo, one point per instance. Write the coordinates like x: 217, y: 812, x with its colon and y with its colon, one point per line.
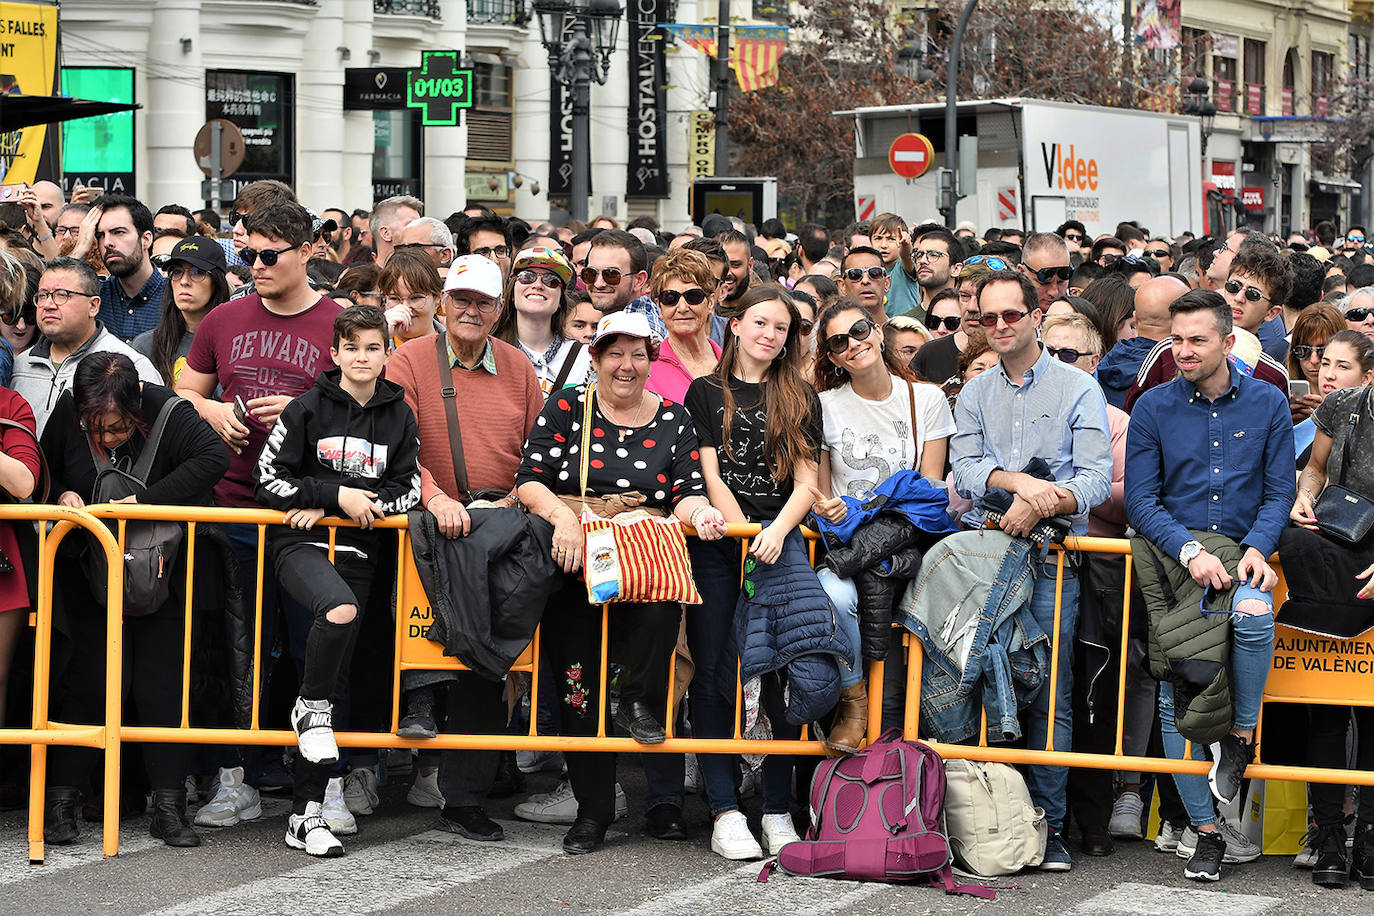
x: 1066, y: 171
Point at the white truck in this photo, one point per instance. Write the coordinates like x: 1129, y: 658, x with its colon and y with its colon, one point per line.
x: 1038, y: 164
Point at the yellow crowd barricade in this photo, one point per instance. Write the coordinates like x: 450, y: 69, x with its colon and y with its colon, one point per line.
x: 1301, y: 674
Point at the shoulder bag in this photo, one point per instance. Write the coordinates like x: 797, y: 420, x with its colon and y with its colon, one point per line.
x: 1341, y: 513
x: 455, y: 436
x: 633, y: 556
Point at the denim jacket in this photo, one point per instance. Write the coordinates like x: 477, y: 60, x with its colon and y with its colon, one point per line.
x: 971, y: 610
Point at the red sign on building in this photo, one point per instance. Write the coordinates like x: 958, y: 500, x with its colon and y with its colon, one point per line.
x: 1252, y: 198
x: 1254, y: 99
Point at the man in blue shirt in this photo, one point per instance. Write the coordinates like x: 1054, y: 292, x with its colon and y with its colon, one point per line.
x: 1211, y: 451
x: 1033, y: 406
x: 131, y: 296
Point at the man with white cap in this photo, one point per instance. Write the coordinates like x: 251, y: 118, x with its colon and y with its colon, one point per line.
x: 476, y: 399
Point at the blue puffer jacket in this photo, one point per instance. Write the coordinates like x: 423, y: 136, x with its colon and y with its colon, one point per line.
x: 1118, y: 369
x: 789, y: 625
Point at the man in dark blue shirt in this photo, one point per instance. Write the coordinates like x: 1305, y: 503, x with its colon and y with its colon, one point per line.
x: 1211, y: 452
x: 131, y: 296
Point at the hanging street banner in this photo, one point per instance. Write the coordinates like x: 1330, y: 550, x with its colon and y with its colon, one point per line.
x: 701, y: 144
x: 647, y: 170
x: 28, y: 66
x: 560, y: 131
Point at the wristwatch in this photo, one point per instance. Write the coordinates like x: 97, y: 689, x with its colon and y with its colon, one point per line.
x: 1189, y: 552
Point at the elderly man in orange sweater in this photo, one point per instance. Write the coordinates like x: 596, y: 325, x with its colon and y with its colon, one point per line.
x: 475, y: 398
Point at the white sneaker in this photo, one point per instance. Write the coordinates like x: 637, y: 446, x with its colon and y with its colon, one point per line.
x: 1239, y: 848
x: 360, y: 790
x: 539, y: 761
x: 336, y: 814
x: 233, y: 802
x: 424, y: 792
x: 731, y: 839
x: 310, y: 831
x: 1308, y: 857
x: 1169, y: 835
x: 1126, y: 811
x: 778, y: 831
x: 560, y: 806
x: 313, y: 722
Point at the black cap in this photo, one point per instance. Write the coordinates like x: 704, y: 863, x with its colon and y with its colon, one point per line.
x: 198, y: 251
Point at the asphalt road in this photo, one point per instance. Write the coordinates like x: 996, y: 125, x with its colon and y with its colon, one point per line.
x: 399, y: 864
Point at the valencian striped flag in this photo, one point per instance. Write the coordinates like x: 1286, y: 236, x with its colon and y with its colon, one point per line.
x: 754, y: 51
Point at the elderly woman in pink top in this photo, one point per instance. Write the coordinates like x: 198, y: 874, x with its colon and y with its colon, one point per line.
x: 683, y: 287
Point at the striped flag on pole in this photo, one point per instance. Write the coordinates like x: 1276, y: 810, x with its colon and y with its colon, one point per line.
x: 755, y: 55
x: 701, y: 37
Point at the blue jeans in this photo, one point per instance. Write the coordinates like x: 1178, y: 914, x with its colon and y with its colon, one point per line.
x: 716, y: 568
x: 1252, y: 652
x: 845, y: 597
x: 1049, y: 785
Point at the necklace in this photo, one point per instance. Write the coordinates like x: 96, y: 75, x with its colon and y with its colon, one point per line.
x: 622, y: 431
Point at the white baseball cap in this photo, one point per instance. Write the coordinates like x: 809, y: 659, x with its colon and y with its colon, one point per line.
x: 477, y: 273
x: 631, y: 324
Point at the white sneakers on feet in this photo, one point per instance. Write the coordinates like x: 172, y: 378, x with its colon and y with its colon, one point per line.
x: 731, y: 839
x: 233, y: 801
x: 360, y: 790
x: 313, y: 722
x: 341, y: 821
x: 778, y: 831
x: 1169, y: 835
x: 560, y: 806
x: 310, y: 831
x: 1126, y: 812
x: 424, y: 791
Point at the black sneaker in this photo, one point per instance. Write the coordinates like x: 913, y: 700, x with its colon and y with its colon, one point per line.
x: 1205, y: 865
x: 1332, y: 868
x: 472, y: 822
x: 1231, y: 756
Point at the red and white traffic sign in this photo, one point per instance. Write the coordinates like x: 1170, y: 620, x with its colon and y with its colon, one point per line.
x: 911, y: 155
x: 1006, y: 204
x: 867, y: 207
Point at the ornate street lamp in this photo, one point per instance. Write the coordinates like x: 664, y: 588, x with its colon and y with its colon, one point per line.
x: 1196, y: 102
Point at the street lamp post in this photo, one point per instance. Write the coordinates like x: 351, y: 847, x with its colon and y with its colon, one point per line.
x: 579, y: 36
x: 950, y: 204
x: 1195, y: 102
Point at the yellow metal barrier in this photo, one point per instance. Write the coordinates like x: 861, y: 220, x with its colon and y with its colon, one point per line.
x: 413, y: 652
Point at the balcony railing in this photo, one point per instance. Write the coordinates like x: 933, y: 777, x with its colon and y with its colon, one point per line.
x: 499, y: 12
x: 430, y: 9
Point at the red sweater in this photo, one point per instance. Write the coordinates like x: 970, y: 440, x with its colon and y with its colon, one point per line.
x: 495, y: 414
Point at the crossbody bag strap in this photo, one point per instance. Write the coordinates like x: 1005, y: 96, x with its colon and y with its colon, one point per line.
x: 566, y: 369
x: 586, y: 439
x: 911, y: 392
x: 1350, y: 433
x: 143, y: 467
x: 455, y: 435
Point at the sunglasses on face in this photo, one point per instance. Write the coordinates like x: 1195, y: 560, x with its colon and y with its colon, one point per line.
x: 1252, y: 293
x: 178, y: 271
x: 611, y: 275
x: 1357, y: 239
x: 268, y: 255
x: 992, y: 261
x: 1066, y: 354
x: 1049, y: 274
x: 1072, y: 237
x: 855, y: 274
x: 1157, y: 253
x: 1355, y: 314
x: 493, y: 251
x: 1109, y: 257
x: 1011, y: 318
x: 859, y: 330
x: 804, y: 327
x: 1307, y: 351
x: 950, y: 322
x: 671, y: 297
x: 528, y: 277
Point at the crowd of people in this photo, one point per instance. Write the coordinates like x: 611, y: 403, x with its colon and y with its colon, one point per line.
x: 493, y: 377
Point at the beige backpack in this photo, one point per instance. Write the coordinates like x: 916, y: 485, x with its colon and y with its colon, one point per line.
x: 993, y: 827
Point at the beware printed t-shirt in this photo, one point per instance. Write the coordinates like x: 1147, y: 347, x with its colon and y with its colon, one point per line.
x: 254, y: 352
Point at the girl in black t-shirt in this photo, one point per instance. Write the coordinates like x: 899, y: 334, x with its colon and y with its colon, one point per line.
x: 759, y: 427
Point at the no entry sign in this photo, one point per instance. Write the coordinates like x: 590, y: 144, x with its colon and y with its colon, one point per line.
x: 910, y: 155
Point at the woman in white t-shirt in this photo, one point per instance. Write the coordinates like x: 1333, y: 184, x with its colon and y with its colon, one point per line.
x: 536, y: 309
x: 868, y: 402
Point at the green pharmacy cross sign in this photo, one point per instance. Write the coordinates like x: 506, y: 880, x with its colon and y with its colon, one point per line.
x: 439, y: 89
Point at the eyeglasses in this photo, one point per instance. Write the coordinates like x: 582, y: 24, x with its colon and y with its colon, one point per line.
x: 1011, y: 318
x: 1252, y: 293
x: 855, y: 274
x: 1158, y: 253
x: 934, y: 255
x: 1209, y: 594
x: 907, y: 352
x: 67, y: 230
x: 951, y: 322
x: 409, y: 302
x: 527, y: 277
x: 1049, y: 274
x: 499, y: 251
x: 186, y: 270
x: 1066, y: 354
x: 1356, y: 314
x: 611, y: 275
x: 671, y: 297
x: 484, y: 305
x: 268, y: 255
x: 859, y: 330
x: 1307, y: 351
x: 992, y: 261
x: 804, y: 327
x: 58, y: 296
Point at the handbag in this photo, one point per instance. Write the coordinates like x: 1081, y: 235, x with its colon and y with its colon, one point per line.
x: 632, y: 556
x: 1341, y: 513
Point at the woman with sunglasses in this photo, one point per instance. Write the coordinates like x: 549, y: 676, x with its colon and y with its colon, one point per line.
x: 868, y: 399
x: 760, y: 426
x: 196, y: 283
x: 1314, y: 327
x: 1359, y: 311
x: 683, y: 287
x: 942, y: 315
x: 411, y: 289
x: 536, y: 310
x: 1330, y: 587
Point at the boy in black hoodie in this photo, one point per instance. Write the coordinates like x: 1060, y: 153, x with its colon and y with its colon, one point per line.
x: 347, y: 447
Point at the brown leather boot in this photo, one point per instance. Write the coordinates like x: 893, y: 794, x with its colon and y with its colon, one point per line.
x: 851, y: 721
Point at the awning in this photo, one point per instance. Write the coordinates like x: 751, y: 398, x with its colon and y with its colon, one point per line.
x: 19, y: 111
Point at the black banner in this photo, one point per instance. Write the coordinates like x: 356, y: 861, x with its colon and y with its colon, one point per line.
x: 560, y: 138
x: 374, y: 88
x: 646, y: 121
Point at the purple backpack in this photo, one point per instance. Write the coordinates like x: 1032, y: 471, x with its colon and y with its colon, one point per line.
x: 876, y: 816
